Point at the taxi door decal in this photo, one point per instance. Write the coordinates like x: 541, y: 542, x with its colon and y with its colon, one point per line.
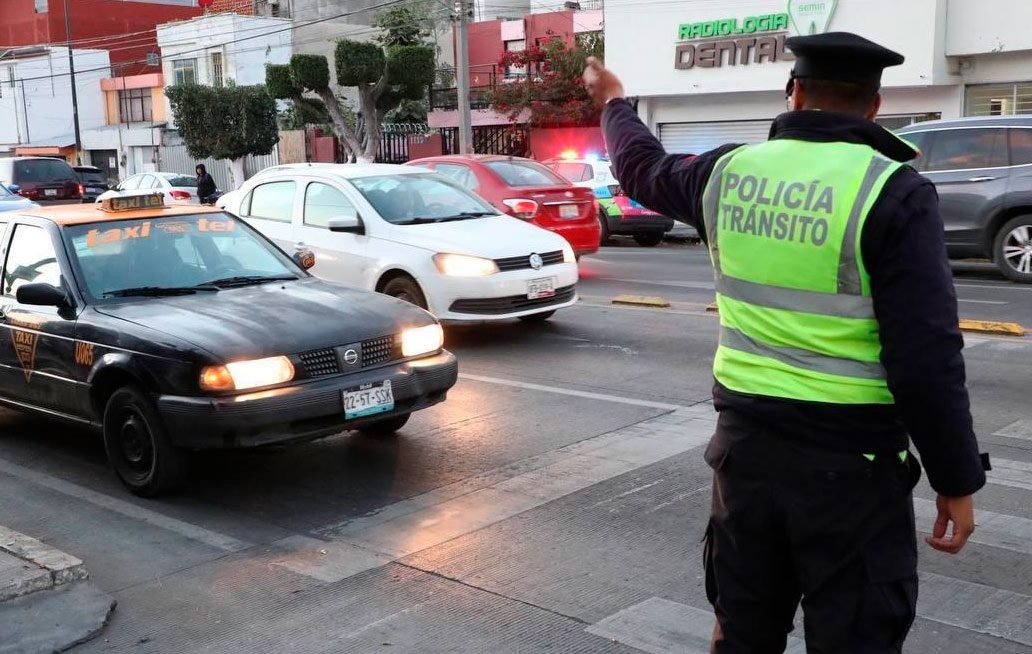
x: 25, y: 340
x: 84, y: 354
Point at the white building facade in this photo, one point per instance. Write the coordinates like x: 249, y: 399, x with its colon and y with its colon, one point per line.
x: 222, y: 48
x: 36, y: 98
x: 707, y: 73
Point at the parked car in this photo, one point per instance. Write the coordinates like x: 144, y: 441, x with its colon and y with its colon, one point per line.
x: 11, y: 201
x: 982, y: 170
x: 527, y: 190
x: 42, y: 179
x: 618, y: 213
x: 92, y: 182
x: 414, y: 234
x: 177, y: 188
x: 172, y: 329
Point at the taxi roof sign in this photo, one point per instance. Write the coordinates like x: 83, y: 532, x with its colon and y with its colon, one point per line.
x: 133, y: 202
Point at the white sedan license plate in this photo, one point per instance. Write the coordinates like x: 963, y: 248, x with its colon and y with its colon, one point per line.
x: 50, y: 192
x: 540, y: 288
x: 368, y: 400
x: 569, y: 211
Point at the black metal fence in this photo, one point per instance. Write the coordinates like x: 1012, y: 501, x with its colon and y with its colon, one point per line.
x: 506, y: 140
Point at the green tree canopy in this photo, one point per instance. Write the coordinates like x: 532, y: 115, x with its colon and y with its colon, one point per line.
x: 228, y: 122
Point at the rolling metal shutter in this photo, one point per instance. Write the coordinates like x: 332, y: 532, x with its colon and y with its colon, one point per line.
x: 696, y: 138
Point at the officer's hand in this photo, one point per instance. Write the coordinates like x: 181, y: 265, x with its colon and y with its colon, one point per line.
x: 961, y: 512
x: 601, y: 84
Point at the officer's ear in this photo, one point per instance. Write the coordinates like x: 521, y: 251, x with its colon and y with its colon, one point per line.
x: 875, y: 107
x: 796, y: 94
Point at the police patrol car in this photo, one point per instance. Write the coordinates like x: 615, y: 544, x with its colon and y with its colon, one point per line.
x: 181, y: 328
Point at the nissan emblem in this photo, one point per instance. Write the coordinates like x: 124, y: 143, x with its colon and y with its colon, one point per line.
x: 351, y: 357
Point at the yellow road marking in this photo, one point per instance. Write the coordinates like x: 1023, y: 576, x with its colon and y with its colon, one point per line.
x: 992, y: 327
x: 642, y: 300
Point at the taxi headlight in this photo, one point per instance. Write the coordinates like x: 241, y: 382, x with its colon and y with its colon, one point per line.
x: 241, y: 375
x: 568, y: 254
x: 463, y: 265
x: 421, y: 340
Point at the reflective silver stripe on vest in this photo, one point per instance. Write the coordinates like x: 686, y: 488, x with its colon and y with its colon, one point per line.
x: 805, y: 359
x: 849, y: 268
x: 791, y: 299
x: 711, y: 207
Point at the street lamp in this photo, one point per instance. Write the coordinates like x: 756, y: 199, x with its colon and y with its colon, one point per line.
x: 75, y: 99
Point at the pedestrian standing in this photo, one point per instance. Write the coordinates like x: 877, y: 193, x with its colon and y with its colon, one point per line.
x: 839, y: 338
x: 205, y: 184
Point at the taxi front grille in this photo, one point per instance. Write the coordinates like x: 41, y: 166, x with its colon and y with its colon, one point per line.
x: 320, y: 363
x: 523, y: 262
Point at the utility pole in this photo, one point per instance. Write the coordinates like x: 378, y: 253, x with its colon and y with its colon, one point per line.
x: 75, y: 99
x: 463, y: 14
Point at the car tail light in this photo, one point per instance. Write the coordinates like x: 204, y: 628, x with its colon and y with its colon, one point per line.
x: 180, y: 195
x: 522, y: 209
x: 82, y: 189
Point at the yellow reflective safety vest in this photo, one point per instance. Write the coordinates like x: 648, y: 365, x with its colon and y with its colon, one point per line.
x: 783, y: 221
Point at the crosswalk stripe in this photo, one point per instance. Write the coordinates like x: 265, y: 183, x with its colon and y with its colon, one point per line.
x: 975, y: 607
x: 1016, y: 474
x: 1008, y: 532
x: 1021, y: 429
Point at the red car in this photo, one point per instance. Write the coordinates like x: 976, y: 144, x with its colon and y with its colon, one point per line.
x: 527, y: 190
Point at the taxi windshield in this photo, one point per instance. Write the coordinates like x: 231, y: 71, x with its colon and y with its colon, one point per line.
x: 177, y: 254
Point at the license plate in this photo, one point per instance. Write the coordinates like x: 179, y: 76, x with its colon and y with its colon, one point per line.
x: 569, y: 211
x: 50, y: 192
x: 368, y: 400
x: 540, y: 288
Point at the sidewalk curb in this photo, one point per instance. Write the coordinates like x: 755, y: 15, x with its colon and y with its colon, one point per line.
x: 642, y: 300
x: 56, y: 568
x: 992, y: 327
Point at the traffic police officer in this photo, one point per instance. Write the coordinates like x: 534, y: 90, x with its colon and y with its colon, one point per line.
x: 838, y: 338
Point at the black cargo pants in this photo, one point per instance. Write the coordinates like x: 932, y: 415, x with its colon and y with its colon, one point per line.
x: 795, y: 523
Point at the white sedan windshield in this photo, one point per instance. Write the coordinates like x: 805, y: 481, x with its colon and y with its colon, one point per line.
x: 412, y: 199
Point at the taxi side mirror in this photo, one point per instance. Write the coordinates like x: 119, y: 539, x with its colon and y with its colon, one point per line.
x: 14, y: 188
x: 304, y: 258
x: 44, y: 295
x: 349, y: 223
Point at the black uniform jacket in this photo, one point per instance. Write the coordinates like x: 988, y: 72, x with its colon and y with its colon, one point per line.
x: 903, y: 248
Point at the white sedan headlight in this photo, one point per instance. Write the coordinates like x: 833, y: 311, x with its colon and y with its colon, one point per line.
x: 568, y: 254
x: 422, y: 340
x: 242, y: 375
x: 463, y: 265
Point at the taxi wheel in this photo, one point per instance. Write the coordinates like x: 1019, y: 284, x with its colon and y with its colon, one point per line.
x: 137, y: 445
x: 603, y: 229
x: 648, y: 239
x: 385, y: 428
x: 405, y: 288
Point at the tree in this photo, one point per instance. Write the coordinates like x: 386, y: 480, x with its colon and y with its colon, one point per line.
x: 227, y: 122
x: 553, y: 90
x: 410, y: 24
x: 383, y: 77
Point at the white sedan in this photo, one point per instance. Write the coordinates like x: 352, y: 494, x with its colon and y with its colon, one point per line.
x: 177, y: 188
x: 407, y: 232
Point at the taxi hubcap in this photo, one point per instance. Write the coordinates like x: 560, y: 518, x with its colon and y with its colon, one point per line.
x: 136, y: 443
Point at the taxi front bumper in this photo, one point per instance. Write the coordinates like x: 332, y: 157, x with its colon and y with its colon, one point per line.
x: 304, y: 411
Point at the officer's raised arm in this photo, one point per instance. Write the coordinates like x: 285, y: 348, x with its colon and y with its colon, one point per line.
x: 670, y: 184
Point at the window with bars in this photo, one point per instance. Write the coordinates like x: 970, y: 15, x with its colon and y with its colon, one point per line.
x: 998, y: 99
x: 134, y: 106
x: 184, y: 71
x: 216, y: 69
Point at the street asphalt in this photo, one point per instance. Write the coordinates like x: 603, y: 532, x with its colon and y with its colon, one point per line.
x: 554, y: 503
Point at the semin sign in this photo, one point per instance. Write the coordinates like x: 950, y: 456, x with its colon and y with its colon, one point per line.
x: 712, y: 43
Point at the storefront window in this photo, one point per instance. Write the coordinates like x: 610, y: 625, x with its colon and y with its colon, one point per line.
x: 998, y: 99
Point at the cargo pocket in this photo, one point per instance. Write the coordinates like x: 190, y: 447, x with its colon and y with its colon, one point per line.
x: 890, y: 599
x: 707, y: 562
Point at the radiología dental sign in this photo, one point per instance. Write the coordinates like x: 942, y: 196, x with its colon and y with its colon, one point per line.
x: 750, y: 40
x: 754, y: 39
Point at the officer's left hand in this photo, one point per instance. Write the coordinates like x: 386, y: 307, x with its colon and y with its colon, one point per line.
x: 602, y: 84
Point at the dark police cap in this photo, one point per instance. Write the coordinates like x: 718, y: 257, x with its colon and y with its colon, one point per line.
x: 841, y: 56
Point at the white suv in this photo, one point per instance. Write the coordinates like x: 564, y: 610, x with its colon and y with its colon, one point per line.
x: 410, y: 233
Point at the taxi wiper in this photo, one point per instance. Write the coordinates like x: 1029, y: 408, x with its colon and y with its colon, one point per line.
x: 466, y: 215
x: 158, y: 291
x: 244, y: 280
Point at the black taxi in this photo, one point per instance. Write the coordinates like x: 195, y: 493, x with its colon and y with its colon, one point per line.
x: 173, y: 329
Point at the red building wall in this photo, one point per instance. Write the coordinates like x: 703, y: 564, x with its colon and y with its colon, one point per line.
x: 485, y: 49
x: 548, y: 25
x: 90, y: 19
